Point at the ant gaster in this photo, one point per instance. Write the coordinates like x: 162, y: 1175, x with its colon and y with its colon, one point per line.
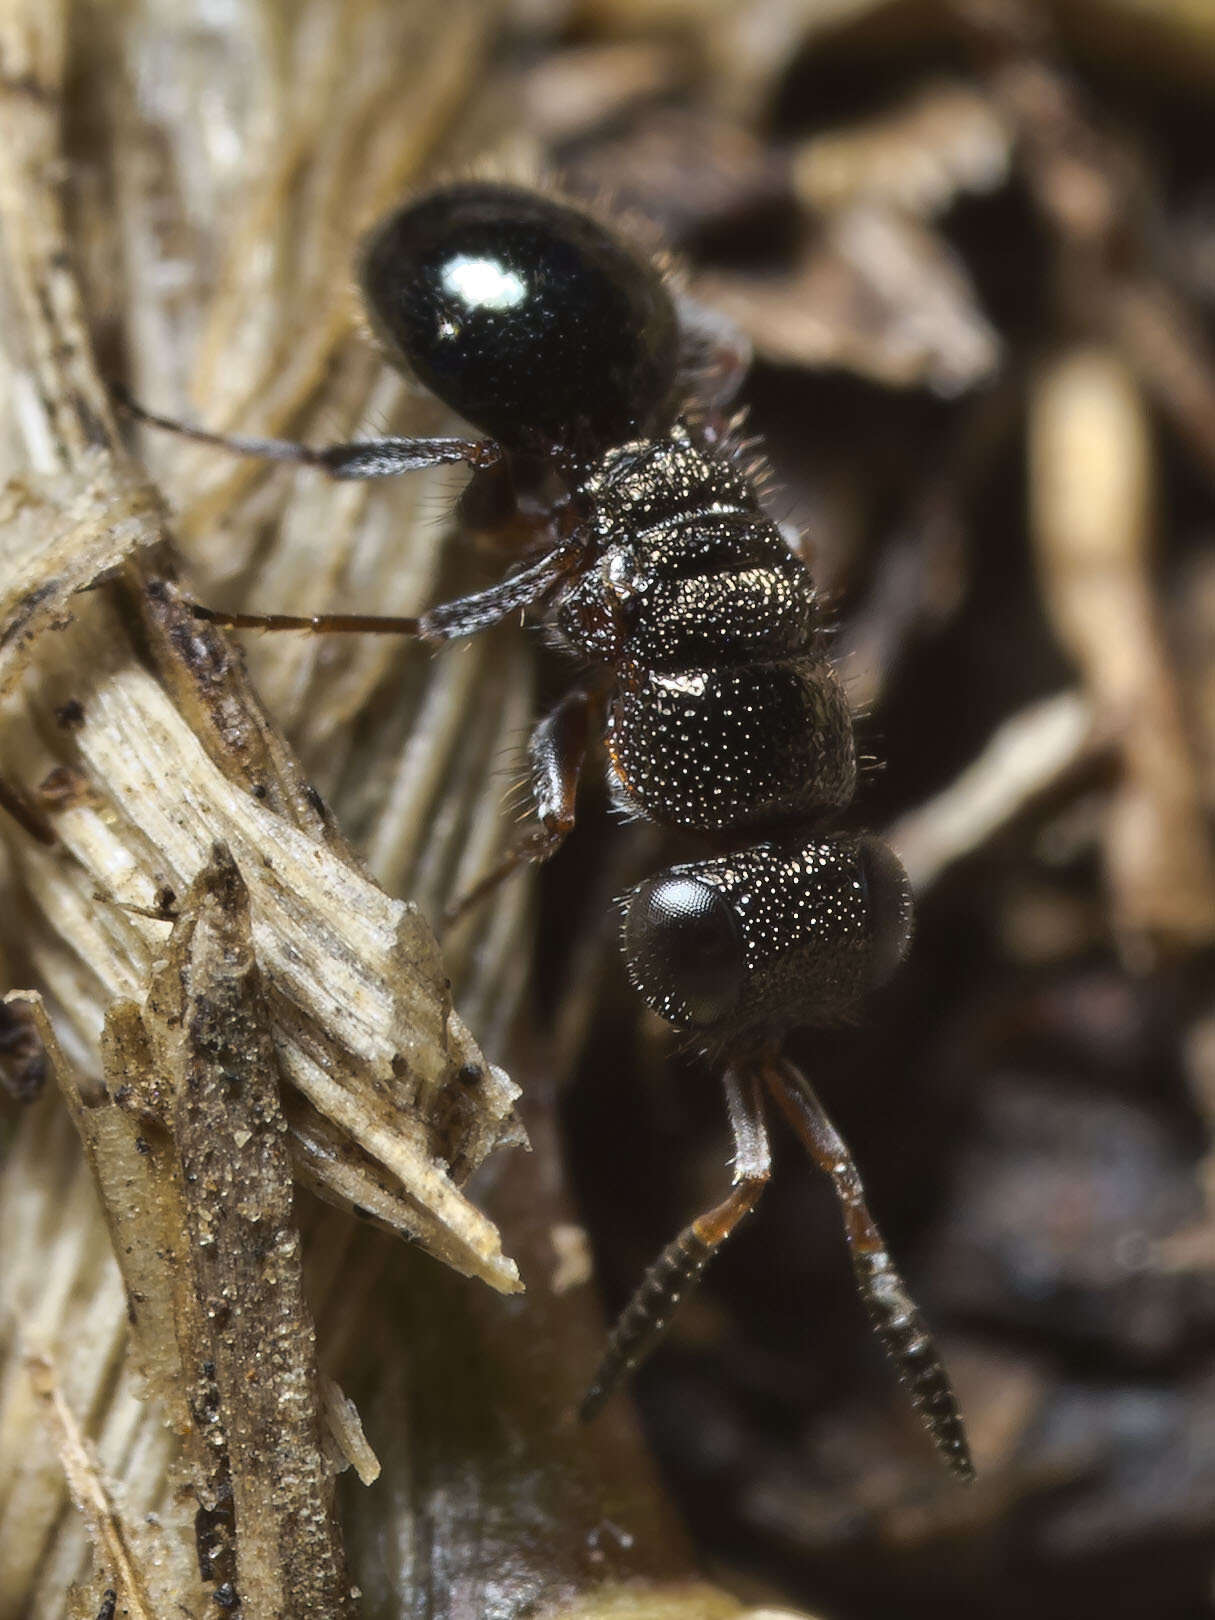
x: 601, y: 393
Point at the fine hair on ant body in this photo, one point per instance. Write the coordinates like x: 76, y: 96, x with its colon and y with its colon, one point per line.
x: 602, y: 394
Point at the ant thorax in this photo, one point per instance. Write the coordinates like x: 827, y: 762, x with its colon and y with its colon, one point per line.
x: 726, y: 713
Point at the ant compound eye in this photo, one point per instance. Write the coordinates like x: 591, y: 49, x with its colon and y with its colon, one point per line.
x: 526, y: 316
x: 888, y: 895
x: 684, y: 949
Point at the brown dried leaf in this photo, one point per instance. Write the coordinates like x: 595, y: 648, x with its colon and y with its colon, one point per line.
x: 945, y: 139
x: 877, y: 294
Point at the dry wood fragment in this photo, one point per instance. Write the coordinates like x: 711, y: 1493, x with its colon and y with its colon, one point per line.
x: 247, y: 1341
x: 89, y: 513
x: 63, y: 1306
x: 877, y: 293
x: 127, y: 1563
x: 114, y: 697
x: 1031, y: 754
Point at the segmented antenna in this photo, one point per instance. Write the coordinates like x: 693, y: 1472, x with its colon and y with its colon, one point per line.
x: 895, y: 1318
x: 679, y: 1267
x: 648, y: 1314
x: 906, y: 1340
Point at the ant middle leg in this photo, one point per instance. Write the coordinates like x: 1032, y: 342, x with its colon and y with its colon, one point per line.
x: 465, y: 616
x: 556, y: 752
x: 679, y: 1267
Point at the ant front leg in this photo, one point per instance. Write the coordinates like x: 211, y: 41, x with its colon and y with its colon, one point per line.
x: 366, y: 458
x: 557, y: 751
x: 897, y: 1322
x: 681, y: 1264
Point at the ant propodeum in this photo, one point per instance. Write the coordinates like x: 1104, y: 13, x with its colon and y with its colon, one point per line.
x: 643, y: 539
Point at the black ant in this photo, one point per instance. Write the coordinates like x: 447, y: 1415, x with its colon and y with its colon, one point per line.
x: 644, y: 540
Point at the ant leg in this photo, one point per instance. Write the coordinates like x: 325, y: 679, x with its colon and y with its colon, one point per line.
x: 897, y: 1322
x: 678, y: 1268
x: 557, y: 751
x: 383, y: 458
x: 368, y: 458
x: 463, y: 617
x: 716, y: 356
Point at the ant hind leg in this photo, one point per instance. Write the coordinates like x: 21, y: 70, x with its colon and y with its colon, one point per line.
x: 366, y: 458
x: 715, y: 357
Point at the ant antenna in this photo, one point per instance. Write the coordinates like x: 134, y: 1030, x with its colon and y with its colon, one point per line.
x: 677, y: 1270
x: 896, y: 1320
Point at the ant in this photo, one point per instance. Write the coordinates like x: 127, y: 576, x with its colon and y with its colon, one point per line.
x: 609, y: 463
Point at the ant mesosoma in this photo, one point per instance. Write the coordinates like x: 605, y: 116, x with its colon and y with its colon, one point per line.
x: 642, y: 536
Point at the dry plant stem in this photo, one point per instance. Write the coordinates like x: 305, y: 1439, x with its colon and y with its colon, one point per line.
x: 63, y: 1308
x: 170, y: 758
x: 189, y: 1151
x: 1084, y: 186
x: 111, y: 1534
x: 359, y: 1000
x: 248, y: 1345
x: 359, y: 97
x: 1028, y: 757
x: 1091, y: 509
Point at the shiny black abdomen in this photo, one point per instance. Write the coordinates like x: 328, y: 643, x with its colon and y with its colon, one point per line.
x: 726, y: 713
x: 531, y: 319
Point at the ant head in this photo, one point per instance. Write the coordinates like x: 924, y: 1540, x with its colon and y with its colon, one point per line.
x: 772, y: 936
x: 526, y: 316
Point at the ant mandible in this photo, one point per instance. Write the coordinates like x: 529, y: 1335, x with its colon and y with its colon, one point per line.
x: 601, y: 392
